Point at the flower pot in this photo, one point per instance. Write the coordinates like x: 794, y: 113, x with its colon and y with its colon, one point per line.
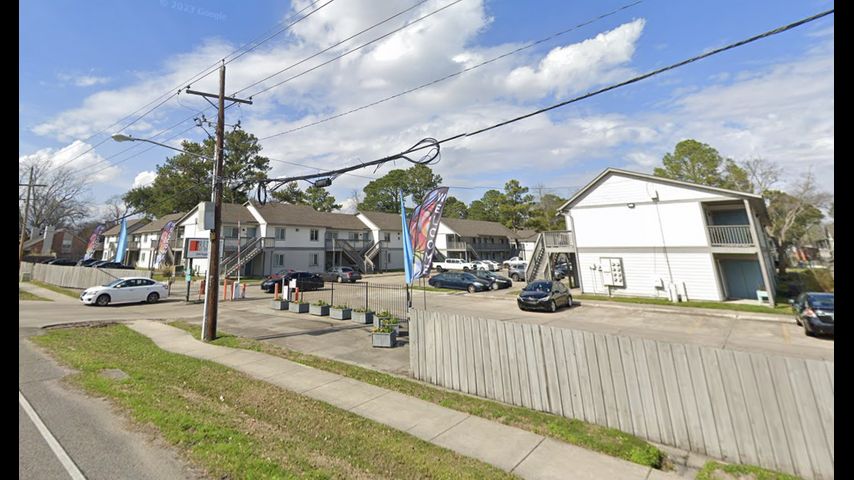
x: 384, y: 340
x: 363, y: 318
x: 340, y: 313
x: 319, y: 310
x: 280, y: 304
x: 298, y: 307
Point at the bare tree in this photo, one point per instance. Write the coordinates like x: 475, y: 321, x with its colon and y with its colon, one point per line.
x: 62, y: 203
x: 116, y: 208
x: 762, y: 174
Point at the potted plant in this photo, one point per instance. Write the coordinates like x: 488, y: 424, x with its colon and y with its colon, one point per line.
x: 363, y: 316
x: 319, y: 308
x: 280, y: 304
x: 384, y: 336
x: 385, y: 318
x: 298, y: 306
x: 340, y: 312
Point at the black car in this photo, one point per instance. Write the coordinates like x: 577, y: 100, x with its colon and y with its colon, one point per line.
x: 561, y: 270
x: 342, y: 274
x: 814, y: 310
x: 305, y: 281
x: 458, y: 280
x: 87, y: 262
x: 112, y: 265
x: 495, y: 281
x: 544, y: 295
x: 65, y: 262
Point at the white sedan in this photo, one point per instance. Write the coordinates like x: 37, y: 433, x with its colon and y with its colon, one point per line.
x: 125, y: 290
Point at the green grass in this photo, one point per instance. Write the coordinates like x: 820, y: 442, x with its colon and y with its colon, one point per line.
x: 236, y: 427
x: 741, y: 472
x: 75, y: 294
x: 594, y: 437
x: 24, y: 295
x: 434, y: 289
x: 780, y: 309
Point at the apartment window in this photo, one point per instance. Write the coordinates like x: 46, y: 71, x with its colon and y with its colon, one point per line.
x: 313, y: 257
x: 251, y: 232
x: 142, y: 256
x: 491, y: 240
x: 387, y: 236
x: 388, y: 257
x: 279, y: 259
x: 229, y: 232
x: 315, y: 234
x: 280, y: 233
x: 354, y: 235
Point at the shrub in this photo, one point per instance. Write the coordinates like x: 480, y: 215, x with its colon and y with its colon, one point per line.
x: 361, y: 310
x: 320, y: 303
x: 340, y: 307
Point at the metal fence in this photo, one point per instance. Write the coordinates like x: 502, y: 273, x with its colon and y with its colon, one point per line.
x: 372, y: 296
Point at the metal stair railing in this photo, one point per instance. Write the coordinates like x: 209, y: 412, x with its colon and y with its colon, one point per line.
x: 369, y: 254
x: 538, y: 260
x: 248, y: 251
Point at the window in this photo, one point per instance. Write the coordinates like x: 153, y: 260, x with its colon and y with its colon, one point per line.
x: 251, y: 232
x: 354, y: 235
x: 142, y: 256
x: 313, y: 257
x: 315, y: 234
x: 389, y: 257
x: 280, y: 233
x: 279, y: 259
x: 491, y: 240
x: 229, y: 232
x: 146, y: 283
x: 387, y: 236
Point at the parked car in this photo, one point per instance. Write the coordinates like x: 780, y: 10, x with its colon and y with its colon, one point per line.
x: 487, y: 265
x: 458, y: 280
x: 513, y: 261
x: 495, y: 281
x: 65, y: 262
x: 342, y: 274
x: 517, y: 272
x: 305, y: 281
x: 87, y: 262
x: 814, y: 310
x: 120, y: 265
x: 560, y: 271
x: 125, y: 290
x: 453, y: 264
x: 544, y: 295
x: 495, y: 265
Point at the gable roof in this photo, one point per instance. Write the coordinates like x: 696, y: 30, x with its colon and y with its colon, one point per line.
x: 303, y: 215
x: 478, y: 228
x: 231, y: 213
x: 527, y: 235
x: 386, y: 221
x: 133, y: 225
x: 156, y: 225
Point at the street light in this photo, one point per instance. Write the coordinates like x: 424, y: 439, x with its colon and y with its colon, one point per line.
x: 212, y: 288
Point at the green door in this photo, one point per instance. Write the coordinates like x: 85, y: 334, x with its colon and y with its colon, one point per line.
x: 742, y: 278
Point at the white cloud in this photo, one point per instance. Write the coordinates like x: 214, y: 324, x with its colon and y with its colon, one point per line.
x: 90, y: 164
x: 144, y: 179
x: 83, y: 80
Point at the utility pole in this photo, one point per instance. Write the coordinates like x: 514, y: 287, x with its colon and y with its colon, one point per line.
x: 212, y: 283
x: 29, y: 186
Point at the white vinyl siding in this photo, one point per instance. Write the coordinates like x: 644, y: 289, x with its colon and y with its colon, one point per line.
x: 619, y: 189
x: 681, y: 224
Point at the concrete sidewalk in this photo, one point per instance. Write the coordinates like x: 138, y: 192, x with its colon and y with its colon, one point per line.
x: 514, y: 450
x: 45, y: 293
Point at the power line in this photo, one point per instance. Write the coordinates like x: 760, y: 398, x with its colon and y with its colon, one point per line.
x: 434, y: 145
x: 458, y: 73
x: 354, y: 49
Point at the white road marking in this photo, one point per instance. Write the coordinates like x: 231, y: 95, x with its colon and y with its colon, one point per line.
x: 54, y: 445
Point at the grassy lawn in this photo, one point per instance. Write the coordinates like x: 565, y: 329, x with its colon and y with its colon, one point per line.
x: 75, y: 294
x: 594, y: 437
x: 781, y: 309
x: 23, y: 295
x: 236, y: 427
x: 434, y: 289
x: 711, y: 471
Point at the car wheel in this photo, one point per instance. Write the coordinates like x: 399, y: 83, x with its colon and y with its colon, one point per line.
x: 515, y: 277
x: 569, y: 302
x: 471, y: 289
x: 798, y: 320
x: 494, y: 286
x: 465, y: 269
x: 103, y: 300
x: 340, y: 280
x: 552, y: 306
x: 439, y: 269
x: 807, y: 332
x: 153, y: 297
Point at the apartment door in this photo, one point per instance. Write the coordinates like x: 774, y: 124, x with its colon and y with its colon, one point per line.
x: 742, y: 278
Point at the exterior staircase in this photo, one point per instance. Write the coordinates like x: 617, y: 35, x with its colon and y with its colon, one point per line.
x: 549, y: 245
x: 369, y: 254
x: 248, y: 251
x: 348, y: 250
x: 472, y: 251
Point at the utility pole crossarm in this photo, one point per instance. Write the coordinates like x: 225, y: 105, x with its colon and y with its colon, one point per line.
x: 211, y: 95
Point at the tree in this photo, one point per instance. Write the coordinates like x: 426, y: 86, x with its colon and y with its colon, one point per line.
x: 486, y: 208
x: 695, y: 162
x: 320, y: 199
x: 383, y: 194
x: 185, y: 180
x: 455, y: 208
x: 515, y: 206
x: 762, y: 174
x: 793, y: 214
x: 290, y: 193
x: 544, y: 212
x: 62, y: 203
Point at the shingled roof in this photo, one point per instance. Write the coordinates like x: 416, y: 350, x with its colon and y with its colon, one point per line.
x: 158, y: 224
x: 303, y: 215
x: 478, y: 228
x: 386, y: 221
x: 133, y: 226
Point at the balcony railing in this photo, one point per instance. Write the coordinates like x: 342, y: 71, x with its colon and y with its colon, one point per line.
x: 730, y: 235
x: 454, y: 245
x: 491, y: 247
x: 557, y: 239
x: 341, y: 242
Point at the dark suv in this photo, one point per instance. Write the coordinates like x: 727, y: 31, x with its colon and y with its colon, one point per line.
x: 305, y: 281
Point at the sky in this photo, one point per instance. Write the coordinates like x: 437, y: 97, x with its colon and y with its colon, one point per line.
x: 83, y: 66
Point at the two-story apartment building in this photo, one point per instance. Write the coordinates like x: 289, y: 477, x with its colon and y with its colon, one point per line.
x: 111, y: 238
x: 148, y: 238
x: 475, y: 240
x: 238, y: 225
x: 386, y: 252
x: 639, y: 235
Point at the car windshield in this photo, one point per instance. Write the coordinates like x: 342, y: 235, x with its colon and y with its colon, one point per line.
x: 113, y: 283
x: 346, y: 269
x: 822, y: 301
x: 539, y: 287
x: 485, y: 274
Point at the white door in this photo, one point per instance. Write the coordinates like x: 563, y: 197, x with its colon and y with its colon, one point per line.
x: 120, y: 292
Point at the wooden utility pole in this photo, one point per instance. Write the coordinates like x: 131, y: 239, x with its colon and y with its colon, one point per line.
x: 29, y: 186
x: 212, y: 283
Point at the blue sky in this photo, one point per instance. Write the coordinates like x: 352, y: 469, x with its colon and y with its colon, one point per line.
x: 84, y: 65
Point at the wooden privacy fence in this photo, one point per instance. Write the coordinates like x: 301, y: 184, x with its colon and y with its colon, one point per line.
x: 771, y: 411
x: 78, y: 277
